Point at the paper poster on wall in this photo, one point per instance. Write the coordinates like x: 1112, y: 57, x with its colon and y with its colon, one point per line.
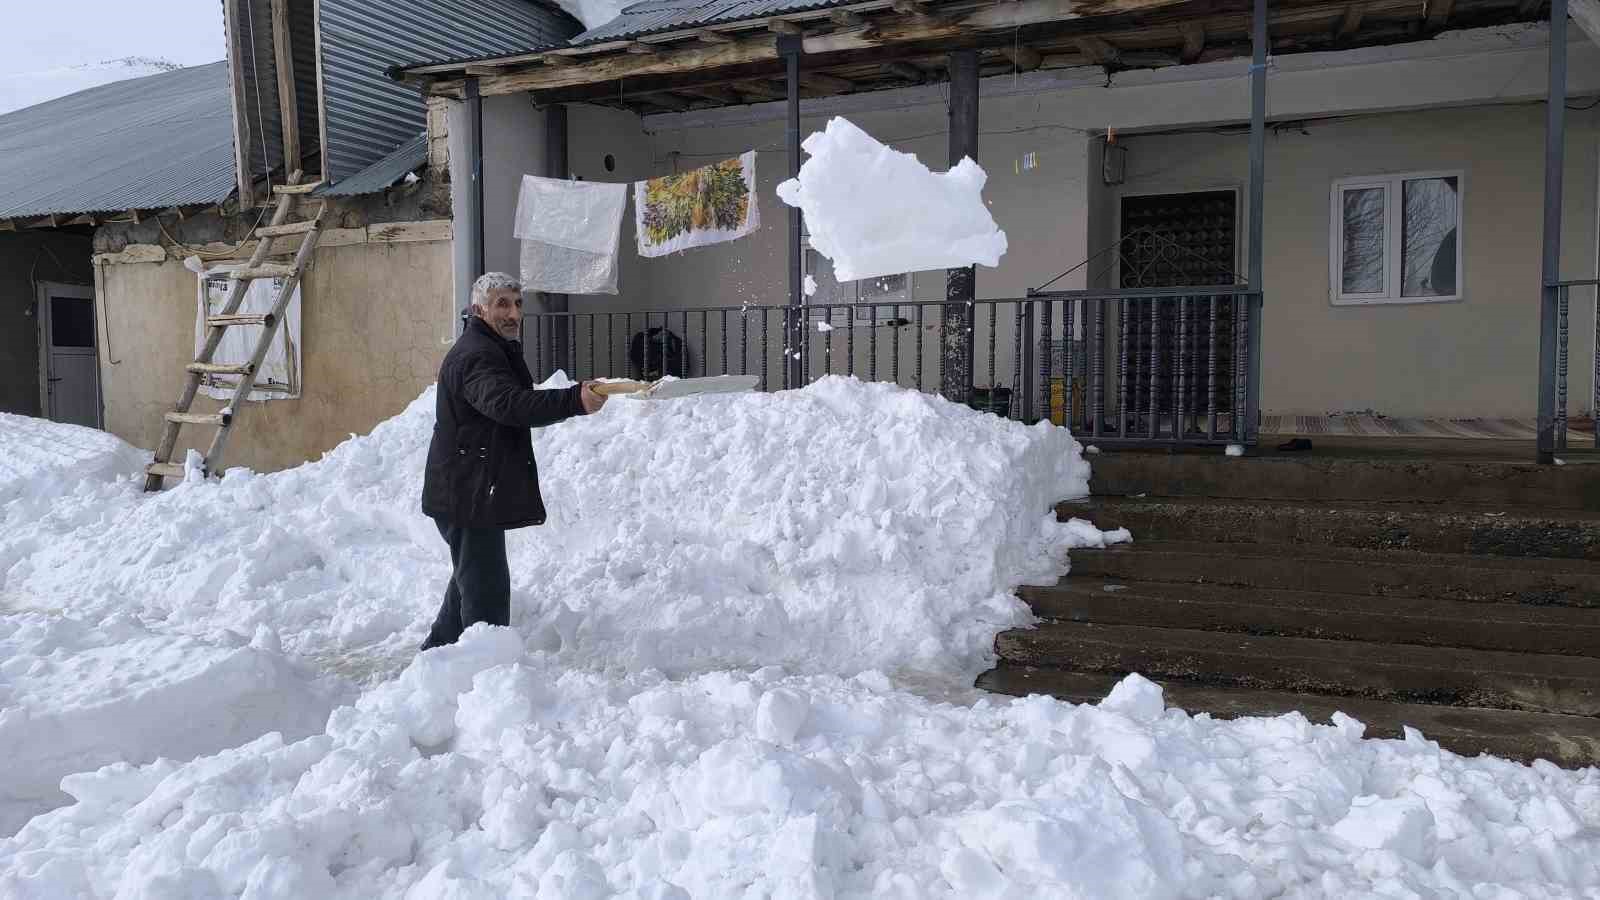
x: 570, y: 233
x: 709, y: 205
x: 278, y: 378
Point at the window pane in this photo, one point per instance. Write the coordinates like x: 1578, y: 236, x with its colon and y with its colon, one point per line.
x: 71, y: 322
x: 1363, y: 241
x: 887, y: 287
x: 1428, y: 254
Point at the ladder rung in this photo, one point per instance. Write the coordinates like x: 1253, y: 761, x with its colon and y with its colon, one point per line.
x: 292, y: 228
x: 200, y: 368
x: 182, y: 418
x: 305, y: 188
x: 166, y: 470
x: 266, y: 270
x: 239, y: 319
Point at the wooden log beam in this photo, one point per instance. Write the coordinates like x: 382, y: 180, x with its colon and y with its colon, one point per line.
x: 844, y: 18
x: 1439, y: 12
x: 233, y: 14
x: 1194, y: 41
x: 1023, y: 58
x: 1099, y: 51
x: 288, y: 104
x: 783, y: 26
x: 640, y: 48
x: 829, y: 83
x: 707, y: 36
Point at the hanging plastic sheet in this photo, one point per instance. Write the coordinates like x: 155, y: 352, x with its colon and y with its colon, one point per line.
x: 570, y: 231
x: 278, y: 378
x: 708, y: 205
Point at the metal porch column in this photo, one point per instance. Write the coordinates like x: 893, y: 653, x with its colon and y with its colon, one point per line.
x: 1549, y: 294
x: 1258, y: 165
x: 790, y: 47
x: 475, y: 197
x: 555, y: 166
x: 955, y: 383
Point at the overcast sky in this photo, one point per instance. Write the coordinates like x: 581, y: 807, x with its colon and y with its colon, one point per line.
x: 48, y: 34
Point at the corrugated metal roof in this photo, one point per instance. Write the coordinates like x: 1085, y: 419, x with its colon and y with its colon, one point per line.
x: 145, y: 143
x: 368, y: 114
x: 653, y: 16
x: 409, y: 157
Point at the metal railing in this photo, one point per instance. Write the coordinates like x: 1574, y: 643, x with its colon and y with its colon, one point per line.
x: 1563, y: 294
x: 1138, y: 366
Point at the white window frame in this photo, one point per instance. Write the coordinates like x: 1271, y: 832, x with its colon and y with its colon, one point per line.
x: 1393, y: 237
x: 883, y: 314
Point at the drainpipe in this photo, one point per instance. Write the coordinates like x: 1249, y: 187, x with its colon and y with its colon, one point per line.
x: 1555, y: 133
x: 790, y: 46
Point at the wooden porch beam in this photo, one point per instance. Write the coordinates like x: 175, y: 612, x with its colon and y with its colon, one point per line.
x: 1099, y: 51
x: 640, y: 48
x: 830, y: 83
x: 783, y: 26
x: 763, y: 49
x: 844, y: 18
x: 907, y: 71
x: 1023, y: 58
x: 288, y: 103
x: 715, y: 93
x: 707, y: 36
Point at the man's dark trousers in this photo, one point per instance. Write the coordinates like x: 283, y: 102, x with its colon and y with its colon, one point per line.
x: 480, y: 584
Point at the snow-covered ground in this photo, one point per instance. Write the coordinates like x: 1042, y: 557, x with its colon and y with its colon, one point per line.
x: 738, y: 666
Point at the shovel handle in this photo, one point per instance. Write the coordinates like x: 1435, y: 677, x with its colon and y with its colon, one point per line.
x: 611, y: 388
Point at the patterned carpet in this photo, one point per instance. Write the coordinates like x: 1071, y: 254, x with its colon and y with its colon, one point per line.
x: 1367, y: 425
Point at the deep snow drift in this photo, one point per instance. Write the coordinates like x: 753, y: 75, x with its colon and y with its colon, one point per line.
x: 874, y: 210
x: 862, y: 535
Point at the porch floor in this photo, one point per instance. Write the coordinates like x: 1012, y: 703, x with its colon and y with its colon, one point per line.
x: 1580, y: 432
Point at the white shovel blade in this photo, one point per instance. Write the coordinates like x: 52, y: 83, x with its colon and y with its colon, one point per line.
x: 688, y: 387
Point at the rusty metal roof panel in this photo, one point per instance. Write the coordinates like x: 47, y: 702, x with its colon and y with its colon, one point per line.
x: 145, y: 143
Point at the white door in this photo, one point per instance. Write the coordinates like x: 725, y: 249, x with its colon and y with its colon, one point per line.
x: 72, y: 369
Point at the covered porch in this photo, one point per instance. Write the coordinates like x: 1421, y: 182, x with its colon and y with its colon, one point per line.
x: 1154, y: 353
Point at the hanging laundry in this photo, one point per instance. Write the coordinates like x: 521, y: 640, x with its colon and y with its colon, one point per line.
x: 570, y: 233
x: 709, y: 205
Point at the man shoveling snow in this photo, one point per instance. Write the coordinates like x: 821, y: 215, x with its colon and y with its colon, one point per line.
x: 481, y: 477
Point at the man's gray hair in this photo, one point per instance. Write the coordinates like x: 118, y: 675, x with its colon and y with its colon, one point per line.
x: 493, y: 281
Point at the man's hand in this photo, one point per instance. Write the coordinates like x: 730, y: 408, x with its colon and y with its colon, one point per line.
x: 592, y: 401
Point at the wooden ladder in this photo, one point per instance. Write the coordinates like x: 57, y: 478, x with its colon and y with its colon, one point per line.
x: 280, y: 227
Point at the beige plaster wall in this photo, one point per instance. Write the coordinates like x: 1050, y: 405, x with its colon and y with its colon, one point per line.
x: 1475, y: 357
x: 375, y: 318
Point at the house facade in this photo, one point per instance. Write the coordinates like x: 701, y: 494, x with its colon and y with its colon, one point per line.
x: 1403, y: 200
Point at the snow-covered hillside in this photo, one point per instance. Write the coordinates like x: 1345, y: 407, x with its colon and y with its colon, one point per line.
x: 23, y: 89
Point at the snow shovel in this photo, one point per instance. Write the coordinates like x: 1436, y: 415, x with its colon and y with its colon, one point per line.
x: 671, y: 388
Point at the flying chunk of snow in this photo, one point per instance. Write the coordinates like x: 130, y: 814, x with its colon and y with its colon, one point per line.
x: 876, y: 211
x: 810, y: 286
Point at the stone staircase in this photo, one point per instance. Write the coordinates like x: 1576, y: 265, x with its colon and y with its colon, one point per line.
x: 1458, y: 597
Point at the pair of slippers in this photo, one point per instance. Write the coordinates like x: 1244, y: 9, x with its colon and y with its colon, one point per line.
x: 1295, y: 444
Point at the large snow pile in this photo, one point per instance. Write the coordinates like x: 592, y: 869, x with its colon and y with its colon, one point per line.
x: 875, y: 211
x: 630, y: 736
x: 684, y: 535
x: 23, y: 89
x: 38, y: 457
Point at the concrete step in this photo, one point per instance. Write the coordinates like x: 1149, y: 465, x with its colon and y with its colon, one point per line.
x: 1322, y: 476
x: 1432, y: 528
x: 1404, y: 673
x: 1383, y: 573
x: 1513, y: 734
x: 1511, y: 627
